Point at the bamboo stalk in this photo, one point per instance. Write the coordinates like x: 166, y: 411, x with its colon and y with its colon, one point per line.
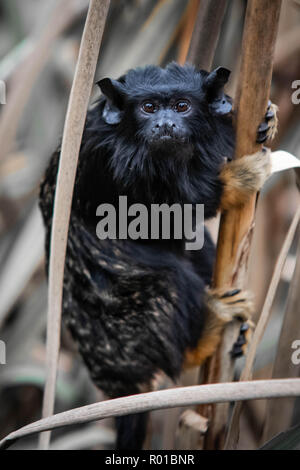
x: 162, y: 399
x: 74, y: 124
x: 206, y: 33
x: 236, y: 227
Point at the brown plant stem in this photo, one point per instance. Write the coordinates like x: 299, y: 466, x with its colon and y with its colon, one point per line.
x: 236, y: 227
x: 233, y: 433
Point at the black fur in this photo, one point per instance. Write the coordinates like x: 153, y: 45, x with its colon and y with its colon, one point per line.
x: 134, y: 307
x: 129, y: 426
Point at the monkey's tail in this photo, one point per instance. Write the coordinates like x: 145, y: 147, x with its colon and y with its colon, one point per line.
x: 131, y: 431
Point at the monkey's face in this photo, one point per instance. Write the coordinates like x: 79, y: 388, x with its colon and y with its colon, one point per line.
x: 164, y: 120
x: 166, y: 108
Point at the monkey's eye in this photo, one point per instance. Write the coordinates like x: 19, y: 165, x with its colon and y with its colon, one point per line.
x: 182, y: 106
x: 149, y: 107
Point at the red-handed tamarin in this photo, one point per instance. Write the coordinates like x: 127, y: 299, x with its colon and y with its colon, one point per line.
x: 140, y: 307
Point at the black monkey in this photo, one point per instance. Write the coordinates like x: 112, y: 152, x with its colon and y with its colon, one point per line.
x: 138, y: 308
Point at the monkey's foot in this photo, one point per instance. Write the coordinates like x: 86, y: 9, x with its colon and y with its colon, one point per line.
x: 224, y: 307
x: 230, y: 305
x: 268, y: 128
x: 221, y: 308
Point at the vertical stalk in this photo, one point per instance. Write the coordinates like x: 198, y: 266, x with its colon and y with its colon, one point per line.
x: 236, y: 226
x: 280, y: 417
x: 74, y: 125
x: 206, y: 33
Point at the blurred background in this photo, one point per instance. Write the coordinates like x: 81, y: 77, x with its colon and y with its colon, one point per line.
x: 39, y: 44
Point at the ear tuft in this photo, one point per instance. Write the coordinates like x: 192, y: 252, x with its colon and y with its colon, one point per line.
x: 105, y: 86
x: 113, y: 90
x: 223, y: 74
x: 214, y: 83
x: 216, y: 79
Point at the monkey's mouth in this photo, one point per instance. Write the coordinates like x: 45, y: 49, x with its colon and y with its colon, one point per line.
x: 168, y: 139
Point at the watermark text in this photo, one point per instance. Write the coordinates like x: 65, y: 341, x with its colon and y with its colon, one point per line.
x: 162, y: 221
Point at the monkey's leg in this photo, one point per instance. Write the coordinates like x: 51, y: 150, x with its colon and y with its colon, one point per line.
x: 221, y: 308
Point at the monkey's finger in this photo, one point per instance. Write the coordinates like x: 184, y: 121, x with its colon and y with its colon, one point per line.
x: 263, y: 127
x: 269, y: 115
x: 263, y: 132
x: 240, y: 346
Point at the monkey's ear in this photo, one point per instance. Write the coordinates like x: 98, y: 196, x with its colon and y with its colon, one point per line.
x: 217, y: 79
x: 113, y: 90
x: 214, y: 86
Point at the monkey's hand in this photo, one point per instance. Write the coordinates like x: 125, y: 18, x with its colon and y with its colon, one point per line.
x: 243, y: 177
x: 221, y: 309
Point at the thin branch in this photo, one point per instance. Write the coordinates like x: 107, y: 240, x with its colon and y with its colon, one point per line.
x: 233, y: 433
x: 75, y: 119
x: 278, y: 419
x: 171, y: 398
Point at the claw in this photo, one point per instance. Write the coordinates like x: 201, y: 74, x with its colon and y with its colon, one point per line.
x: 241, y: 340
x: 267, y: 129
x: 261, y: 139
x: 263, y: 127
x: 269, y: 115
x: 239, y: 347
x: 245, y: 327
x: 236, y: 351
x: 230, y: 293
x: 262, y: 133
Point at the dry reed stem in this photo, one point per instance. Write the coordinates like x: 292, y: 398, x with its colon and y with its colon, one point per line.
x: 162, y: 399
x: 233, y: 433
x: 74, y: 124
x: 236, y: 227
x: 277, y: 419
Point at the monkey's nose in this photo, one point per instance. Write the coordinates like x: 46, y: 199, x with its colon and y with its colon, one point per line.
x: 164, y: 128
